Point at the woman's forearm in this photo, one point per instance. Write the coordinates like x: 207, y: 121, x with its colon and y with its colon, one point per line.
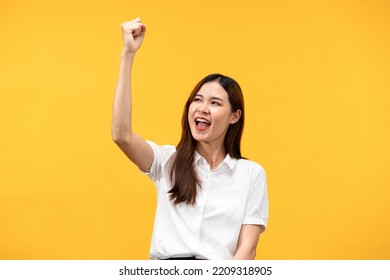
x: 122, y: 107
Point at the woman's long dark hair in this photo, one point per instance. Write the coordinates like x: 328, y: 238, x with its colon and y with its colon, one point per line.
x: 182, y: 173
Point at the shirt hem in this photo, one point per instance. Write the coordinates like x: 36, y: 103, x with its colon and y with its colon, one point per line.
x: 253, y: 221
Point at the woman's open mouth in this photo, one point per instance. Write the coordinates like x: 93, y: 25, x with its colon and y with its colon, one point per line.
x: 202, y: 124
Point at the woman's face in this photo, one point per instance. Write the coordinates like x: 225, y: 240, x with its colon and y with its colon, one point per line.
x: 210, y: 114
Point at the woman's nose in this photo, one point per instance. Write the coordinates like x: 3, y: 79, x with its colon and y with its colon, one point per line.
x: 203, y: 109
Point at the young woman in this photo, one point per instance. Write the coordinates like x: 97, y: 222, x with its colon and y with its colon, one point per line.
x: 212, y: 203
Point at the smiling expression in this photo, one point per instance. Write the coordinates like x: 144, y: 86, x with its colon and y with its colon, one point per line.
x: 210, y: 113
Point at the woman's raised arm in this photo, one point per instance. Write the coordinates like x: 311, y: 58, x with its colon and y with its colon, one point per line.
x: 135, y: 148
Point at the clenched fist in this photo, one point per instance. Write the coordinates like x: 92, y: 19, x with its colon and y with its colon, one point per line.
x: 133, y: 33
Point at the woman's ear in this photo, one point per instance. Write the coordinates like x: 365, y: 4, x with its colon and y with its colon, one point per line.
x: 235, y: 116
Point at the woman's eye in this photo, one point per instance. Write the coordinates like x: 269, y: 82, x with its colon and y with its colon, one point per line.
x: 197, y: 100
x: 215, y: 103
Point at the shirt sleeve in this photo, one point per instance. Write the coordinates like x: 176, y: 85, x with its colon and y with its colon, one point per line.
x: 161, y: 155
x: 256, y: 211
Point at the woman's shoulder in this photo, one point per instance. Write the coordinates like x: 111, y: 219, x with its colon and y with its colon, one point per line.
x: 162, y: 150
x: 165, y: 146
x: 251, y: 165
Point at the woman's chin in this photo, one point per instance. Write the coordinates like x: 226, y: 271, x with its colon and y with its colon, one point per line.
x: 199, y: 138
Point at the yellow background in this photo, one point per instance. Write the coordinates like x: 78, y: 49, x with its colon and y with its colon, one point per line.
x: 315, y: 76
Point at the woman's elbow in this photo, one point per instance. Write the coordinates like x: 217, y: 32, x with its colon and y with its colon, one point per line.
x: 120, y: 138
x: 116, y: 137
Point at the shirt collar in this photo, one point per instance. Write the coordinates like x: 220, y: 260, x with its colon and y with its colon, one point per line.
x: 229, y: 161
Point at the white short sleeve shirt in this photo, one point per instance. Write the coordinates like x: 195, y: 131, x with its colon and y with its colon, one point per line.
x: 233, y: 194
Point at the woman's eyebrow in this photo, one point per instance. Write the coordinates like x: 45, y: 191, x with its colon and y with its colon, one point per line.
x: 218, y: 98
x: 213, y: 97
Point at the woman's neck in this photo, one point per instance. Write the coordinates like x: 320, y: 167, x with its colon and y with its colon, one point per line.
x: 214, y: 155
